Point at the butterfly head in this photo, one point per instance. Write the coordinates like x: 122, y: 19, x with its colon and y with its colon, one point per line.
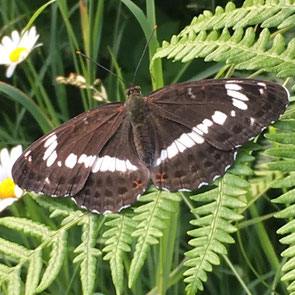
x: 133, y: 90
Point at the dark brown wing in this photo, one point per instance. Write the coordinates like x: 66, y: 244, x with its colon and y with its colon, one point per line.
x: 118, y: 177
x: 198, y: 126
x: 59, y: 163
x: 183, y: 159
x: 225, y: 112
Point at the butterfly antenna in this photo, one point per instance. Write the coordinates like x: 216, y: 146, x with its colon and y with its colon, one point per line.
x: 143, y: 52
x: 99, y: 65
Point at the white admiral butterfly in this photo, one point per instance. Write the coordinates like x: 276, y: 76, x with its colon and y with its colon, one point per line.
x: 181, y: 136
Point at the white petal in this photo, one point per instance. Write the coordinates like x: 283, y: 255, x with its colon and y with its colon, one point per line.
x: 10, y: 70
x: 18, y: 191
x: 15, y: 37
x: 6, y: 202
x: 33, y: 33
x: 6, y: 41
x: 3, y: 174
x: 15, y: 153
x: 5, y: 159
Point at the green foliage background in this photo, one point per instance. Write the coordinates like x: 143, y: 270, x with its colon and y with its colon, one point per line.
x: 223, y: 239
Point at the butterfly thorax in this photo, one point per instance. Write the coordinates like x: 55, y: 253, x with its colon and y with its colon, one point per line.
x: 138, y: 114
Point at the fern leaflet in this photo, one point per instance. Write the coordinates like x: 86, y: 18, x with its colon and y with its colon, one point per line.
x: 119, y: 238
x: 214, y: 227
x: 268, y: 13
x: 241, y: 48
x: 284, y: 150
x: 150, y: 217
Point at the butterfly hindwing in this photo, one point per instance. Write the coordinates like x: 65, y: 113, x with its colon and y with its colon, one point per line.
x: 60, y: 162
x: 117, y: 177
x: 183, y: 159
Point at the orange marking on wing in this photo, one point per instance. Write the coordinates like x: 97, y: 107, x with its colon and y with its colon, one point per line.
x: 161, y: 177
x: 137, y: 184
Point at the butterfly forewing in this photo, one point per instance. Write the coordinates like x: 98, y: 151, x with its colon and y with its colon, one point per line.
x: 60, y: 162
x: 226, y: 112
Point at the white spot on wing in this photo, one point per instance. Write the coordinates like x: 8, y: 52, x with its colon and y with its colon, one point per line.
x: 180, y: 146
x: 233, y: 113
x: 130, y: 166
x: 86, y: 160
x: 50, y: 140
x: 202, y: 184
x: 239, y: 104
x: 51, y: 159
x: 50, y: 149
x: 71, y: 160
x: 215, y: 177
x: 207, y: 122
x: 106, y: 212
x: 121, y: 165
x: 172, y: 150
x: 189, y: 92
x: 59, y: 163
x: 123, y: 207
x: 261, y: 91
x: 233, y: 86
x: 162, y: 157
x: 219, y: 117
x: 261, y: 84
x: 196, y: 137
x: 185, y: 141
x: 203, y: 126
x: 252, y: 120
x: 237, y: 95
x: 107, y: 163
x: 27, y: 153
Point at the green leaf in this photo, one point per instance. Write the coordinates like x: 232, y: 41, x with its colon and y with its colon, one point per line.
x: 119, y: 238
x: 20, y: 97
x: 34, y: 272
x: 58, y: 250
x: 88, y: 254
x: 150, y: 226
x: 213, y: 228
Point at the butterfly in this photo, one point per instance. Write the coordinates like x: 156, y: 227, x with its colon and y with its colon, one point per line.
x: 180, y: 137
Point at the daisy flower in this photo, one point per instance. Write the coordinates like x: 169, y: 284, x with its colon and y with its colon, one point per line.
x: 15, y: 49
x: 9, y: 191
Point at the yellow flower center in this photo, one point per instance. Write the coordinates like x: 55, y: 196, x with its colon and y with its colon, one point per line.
x: 7, y: 188
x: 18, y: 54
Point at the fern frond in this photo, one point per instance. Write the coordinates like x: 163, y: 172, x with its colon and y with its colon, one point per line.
x: 150, y: 217
x: 87, y: 253
x: 34, y: 272
x: 284, y: 139
x: 267, y: 13
x: 119, y: 238
x: 58, y: 245
x: 54, y: 240
x: 11, y: 275
x: 241, y: 48
x: 214, y: 227
x: 57, y: 208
